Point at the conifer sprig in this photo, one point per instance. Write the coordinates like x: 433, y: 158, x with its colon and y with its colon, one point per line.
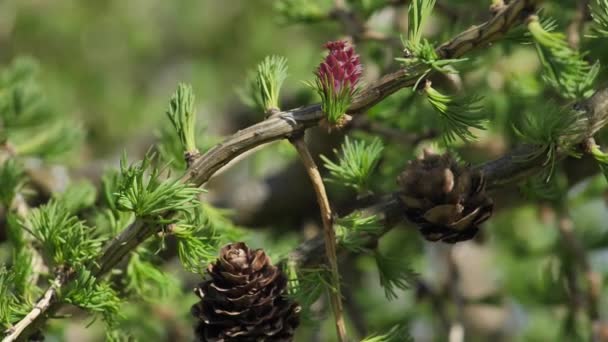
x: 552, y: 129
x: 12, y: 307
x: 458, y: 115
x: 143, y: 192
x: 419, y: 12
x: 12, y: 180
x: 182, y: 115
x: 424, y: 53
x: 197, y: 241
x: 420, y: 51
x: 77, y: 196
x: 264, y: 85
x: 394, y: 274
x: 64, y: 239
x: 27, y: 120
x: 563, y: 68
x: 599, y: 13
x: 306, y: 285
x: 21, y: 271
x: 352, y: 231
x: 398, y: 333
x: 97, y: 297
x: 146, y: 279
x: 356, y: 162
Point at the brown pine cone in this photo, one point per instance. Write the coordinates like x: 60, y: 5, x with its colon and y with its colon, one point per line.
x: 244, y: 299
x: 446, y: 200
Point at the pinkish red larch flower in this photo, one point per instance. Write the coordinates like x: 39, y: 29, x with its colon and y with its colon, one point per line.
x: 338, y: 76
x: 342, y: 66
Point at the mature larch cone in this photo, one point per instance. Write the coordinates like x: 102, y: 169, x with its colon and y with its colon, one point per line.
x: 244, y: 299
x: 446, y: 200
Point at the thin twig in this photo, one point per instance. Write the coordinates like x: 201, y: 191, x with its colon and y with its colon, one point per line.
x: 457, y: 332
x: 393, y: 134
x: 577, y: 250
x: 576, y: 25
x: 41, y: 306
x: 352, y: 281
x: 328, y: 233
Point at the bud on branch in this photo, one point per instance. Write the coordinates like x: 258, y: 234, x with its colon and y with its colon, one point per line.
x: 337, y: 79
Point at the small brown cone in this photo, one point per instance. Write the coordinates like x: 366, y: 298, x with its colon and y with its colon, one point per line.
x: 244, y: 299
x: 446, y: 200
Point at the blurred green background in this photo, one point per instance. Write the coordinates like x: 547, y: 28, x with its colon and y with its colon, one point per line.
x: 114, y: 64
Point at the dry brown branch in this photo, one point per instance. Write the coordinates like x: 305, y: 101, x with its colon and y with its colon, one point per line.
x: 329, y: 236
x: 576, y: 25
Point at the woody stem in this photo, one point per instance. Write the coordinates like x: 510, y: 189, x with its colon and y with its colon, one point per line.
x: 328, y: 233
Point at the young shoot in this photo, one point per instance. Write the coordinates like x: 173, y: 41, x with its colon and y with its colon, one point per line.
x: 599, y: 13
x: 266, y: 82
x: 143, y: 191
x: 458, y: 114
x: 564, y: 69
x: 182, y: 115
x: 356, y: 162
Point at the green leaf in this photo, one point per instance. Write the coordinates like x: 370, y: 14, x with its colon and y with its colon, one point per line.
x: 171, y: 150
x: 306, y: 285
x: 563, y: 68
x: 334, y: 104
x: 353, y: 231
x: 146, y: 279
x: 12, y: 308
x: 27, y: 120
x: 77, y: 196
x: 219, y: 223
x: 599, y: 13
x: 522, y: 35
x: 551, y: 128
x: 356, y: 162
x: 12, y: 180
x: 398, y: 333
x: 546, y: 187
x: 96, y: 297
x: 197, y: 242
x: 64, y: 238
x: 22, y: 257
x: 142, y: 191
x: 419, y: 12
x: 458, y: 114
x: 394, y: 274
x: 182, y: 115
x: 264, y: 85
x: 424, y: 53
